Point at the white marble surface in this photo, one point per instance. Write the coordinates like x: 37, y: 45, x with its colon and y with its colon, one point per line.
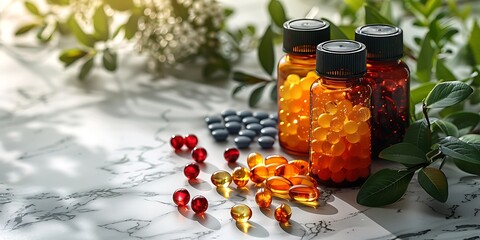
x: 91, y: 160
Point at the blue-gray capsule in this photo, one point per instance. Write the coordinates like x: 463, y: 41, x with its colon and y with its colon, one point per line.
x: 249, y: 120
x: 260, y: 115
x: 268, y: 123
x: 233, y: 118
x: 269, y: 131
x: 242, y: 142
x: 255, y: 127
x: 233, y: 127
x: 248, y: 133
x: 213, y: 119
x: 266, y: 141
x: 220, y: 135
x: 244, y: 114
x: 274, y: 116
x: 228, y: 112
x: 215, y: 126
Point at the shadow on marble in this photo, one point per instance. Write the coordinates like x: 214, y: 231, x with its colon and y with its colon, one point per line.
x: 231, y: 194
x: 293, y: 228
x: 253, y: 229
x: 205, y: 219
x: 207, y: 167
x: 268, y: 212
x: 200, y: 184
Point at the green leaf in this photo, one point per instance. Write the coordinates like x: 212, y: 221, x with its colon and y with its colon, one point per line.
x: 425, y: 60
x: 266, y: 54
x: 442, y: 72
x: 32, y: 8
x: 420, y: 92
x: 472, y: 139
x: 373, y: 16
x: 246, y: 78
x: 473, y: 42
x: 277, y: 13
x: 45, y: 34
x: 455, y: 148
x: 110, y: 60
x: 101, y: 23
x: 59, y: 2
x: 120, y: 5
x: 131, y: 27
x: 227, y: 12
x: 354, y: 5
x: 26, y: 28
x: 463, y: 120
x: 434, y: 182
x: 237, y: 89
x: 70, y: 56
x: 179, y: 9
x: 335, y: 31
x: 404, y: 153
x: 468, y: 167
x: 86, y: 68
x: 431, y: 6
x: 273, y: 93
x: 256, y: 96
x: 447, y: 94
x: 79, y: 34
x: 419, y: 135
x: 384, y: 187
x: 445, y: 127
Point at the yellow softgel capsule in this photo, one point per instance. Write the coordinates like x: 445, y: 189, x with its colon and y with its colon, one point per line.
x: 331, y: 107
x: 241, y: 212
x: 292, y: 79
x: 254, y: 159
x: 304, y: 193
x: 307, y: 82
x: 263, y: 198
x: 279, y: 185
x: 295, y: 91
x: 350, y: 127
x: 363, y: 114
x: 221, y: 179
x: 240, y: 176
x: 275, y: 159
x: 283, y: 213
x: 363, y: 128
x: 324, y: 120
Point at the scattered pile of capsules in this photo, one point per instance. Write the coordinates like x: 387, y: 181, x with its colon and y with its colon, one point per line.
x: 245, y: 126
x: 280, y: 177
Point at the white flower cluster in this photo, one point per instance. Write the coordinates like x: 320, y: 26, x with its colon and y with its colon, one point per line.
x: 171, y: 34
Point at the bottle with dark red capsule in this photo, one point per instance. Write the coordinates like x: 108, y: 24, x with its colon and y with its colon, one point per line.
x: 389, y: 78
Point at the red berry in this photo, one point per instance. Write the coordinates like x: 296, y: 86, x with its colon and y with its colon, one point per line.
x: 181, y: 197
x: 231, y: 154
x: 191, y: 141
x: 199, y: 154
x: 177, y: 142
x: 191, y: 170
x: 199, y: 204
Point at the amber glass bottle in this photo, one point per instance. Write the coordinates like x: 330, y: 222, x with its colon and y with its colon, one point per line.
x: 340, y: 115
x: 296, y: 73
x: 389, y: 78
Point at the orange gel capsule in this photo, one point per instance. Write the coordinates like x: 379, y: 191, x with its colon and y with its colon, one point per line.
x: 303, y: 180
x: 283, y: 213
x: 304, y: 193
x: 286, y: 170
x: 240, y: 176
x: 254, y: 159
x: 301, y: 165
x: 271, y: 168
x: 263, y: 197
x: 279, y: 185
x: 258, y: 174
x: 275, y: 159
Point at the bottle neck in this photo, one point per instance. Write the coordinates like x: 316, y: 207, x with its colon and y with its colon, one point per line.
x: 300, y: 58
x: 384, y: 62
x: 340, y: 82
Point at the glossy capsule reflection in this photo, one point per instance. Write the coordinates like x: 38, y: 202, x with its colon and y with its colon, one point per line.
x: 221, y: 179
x: 275, y: 159
x: 301, y: 165
x: 283, y: 213
x: 279, y: 185
x: 258, y: 174
x: 286, y: 170
x: 303, y: 180
x: 263, y: 198
x: 254, y: 159
x: 241, y: 212
x: 271, y: 168
x: 240, y: 176
x: 304, y: 193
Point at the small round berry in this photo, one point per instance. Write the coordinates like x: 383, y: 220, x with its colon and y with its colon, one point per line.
x: 177, y: 142
x: 181, y: 197
x: 231, y: 155
x: 199, y: 204
x: 199, y: 154
x: 191, y: 170
x: 191, y: 141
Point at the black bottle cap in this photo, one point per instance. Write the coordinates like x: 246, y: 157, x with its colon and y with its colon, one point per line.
x: 384, y: 42
x: 301, y: 36
x: 341, y: 59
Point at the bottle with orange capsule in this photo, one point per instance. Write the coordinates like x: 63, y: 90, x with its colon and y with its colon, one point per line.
x: 340, y: 115
x: 296, y: 73
x: 389, y: 78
